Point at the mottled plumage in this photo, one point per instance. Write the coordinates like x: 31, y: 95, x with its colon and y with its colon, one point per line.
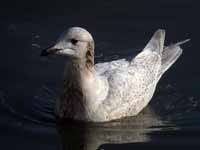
x: 109, y: 90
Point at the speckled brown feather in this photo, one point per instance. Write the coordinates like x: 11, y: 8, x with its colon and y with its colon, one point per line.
x: 72, y: 99
x: 90, y: 56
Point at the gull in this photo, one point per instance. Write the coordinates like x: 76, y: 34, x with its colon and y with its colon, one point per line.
x: 111, y: 90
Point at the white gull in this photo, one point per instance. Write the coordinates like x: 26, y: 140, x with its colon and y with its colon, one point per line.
x: 111, y: 90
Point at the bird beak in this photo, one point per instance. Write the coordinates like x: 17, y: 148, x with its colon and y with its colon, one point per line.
x: 57, y: 51
x: 49, y: 51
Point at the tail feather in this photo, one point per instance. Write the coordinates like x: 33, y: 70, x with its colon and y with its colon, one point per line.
x: 182, y: 42
x: 170, y: 54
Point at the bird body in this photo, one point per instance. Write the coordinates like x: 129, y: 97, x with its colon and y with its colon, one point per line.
x: 110, y: 90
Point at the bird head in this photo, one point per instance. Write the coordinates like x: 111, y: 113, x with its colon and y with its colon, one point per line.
x: 76, y: 43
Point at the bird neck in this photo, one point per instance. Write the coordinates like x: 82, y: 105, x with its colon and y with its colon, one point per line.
x: 81, y: 73
x: 79, y: 80
x: 80, y: 66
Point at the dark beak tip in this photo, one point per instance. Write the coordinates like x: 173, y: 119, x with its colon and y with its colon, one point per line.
x: 49, y: 51
x: 44, y: 53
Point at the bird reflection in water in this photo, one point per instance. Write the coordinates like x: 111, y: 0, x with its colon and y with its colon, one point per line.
x: 90, y: 136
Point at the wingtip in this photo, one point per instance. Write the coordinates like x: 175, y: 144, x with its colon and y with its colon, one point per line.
x: 160, y: 33
x: 160, y: 30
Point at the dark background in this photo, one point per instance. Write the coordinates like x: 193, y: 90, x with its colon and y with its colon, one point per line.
x: 120, y: 28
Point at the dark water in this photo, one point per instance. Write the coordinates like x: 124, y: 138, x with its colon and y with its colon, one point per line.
x: 29, y: 85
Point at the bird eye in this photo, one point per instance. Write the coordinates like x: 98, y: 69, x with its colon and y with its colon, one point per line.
x: 74, y: 41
